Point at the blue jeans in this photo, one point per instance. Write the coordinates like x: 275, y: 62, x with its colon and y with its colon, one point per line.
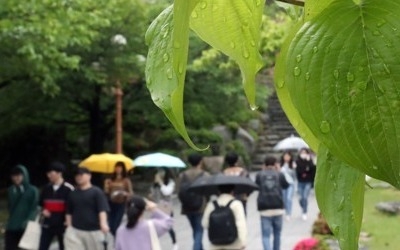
x: 288, y: 198
x: 304, y: 189
x: 271, y: 224
x: 195, y: 222
x: 115, y: 216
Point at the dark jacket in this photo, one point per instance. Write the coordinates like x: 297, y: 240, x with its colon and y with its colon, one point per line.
x: 192, y: 174
x: 305, y: 170
x: 56, y: 203
x: 22, y: 203
x: 271, y: 184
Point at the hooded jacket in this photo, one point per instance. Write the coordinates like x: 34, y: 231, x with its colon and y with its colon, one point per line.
x: 22, y: 203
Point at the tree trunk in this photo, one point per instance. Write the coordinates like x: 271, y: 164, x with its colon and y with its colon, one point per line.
x: 97, y: 134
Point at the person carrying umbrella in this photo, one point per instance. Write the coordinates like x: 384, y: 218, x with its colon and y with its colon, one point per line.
x: 118, y: 188
x: 193, y: 204
x: 233, y: 169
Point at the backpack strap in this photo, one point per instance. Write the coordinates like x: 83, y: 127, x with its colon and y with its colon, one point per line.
x: 216, y: 205
x: 229, y: 203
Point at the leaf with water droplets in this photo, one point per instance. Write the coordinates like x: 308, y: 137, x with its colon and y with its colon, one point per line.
x: 167, y: 60
x: 340, y: 194
x: 284, y: 98
x: 358, y: 76
x: 233, y: 28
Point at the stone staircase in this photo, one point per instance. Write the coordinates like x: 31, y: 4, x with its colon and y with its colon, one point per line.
x: 276, y: 127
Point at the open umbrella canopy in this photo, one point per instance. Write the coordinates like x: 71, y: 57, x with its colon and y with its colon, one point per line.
x: 104, y: 163
x: 291, y: 143
x: 159, y: 160
x: 208, y: 185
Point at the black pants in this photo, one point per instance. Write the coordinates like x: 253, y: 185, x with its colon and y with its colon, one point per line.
x: 48, y: 234
x: 12, y: 239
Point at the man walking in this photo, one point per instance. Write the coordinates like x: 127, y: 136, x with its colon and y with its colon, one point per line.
x: 53, y: 201
x: 22, y: 206
x: 192, y: 204
x: 86, y: 218
x: 270, y: 202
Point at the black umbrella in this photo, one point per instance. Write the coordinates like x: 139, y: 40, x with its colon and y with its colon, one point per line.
x: 208, y: 185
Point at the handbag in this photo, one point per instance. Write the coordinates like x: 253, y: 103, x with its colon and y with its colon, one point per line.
x: 155, y: 242
x: 31, y: 238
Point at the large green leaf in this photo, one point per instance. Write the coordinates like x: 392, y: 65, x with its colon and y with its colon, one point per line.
x: 314, y: 7
x: 168, y: 40
x: 342, y: 74
x: 284, y: 97
x: 340, y: 195
x: 234, y: 28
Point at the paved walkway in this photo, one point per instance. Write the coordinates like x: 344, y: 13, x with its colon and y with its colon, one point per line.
x: 293, y: 230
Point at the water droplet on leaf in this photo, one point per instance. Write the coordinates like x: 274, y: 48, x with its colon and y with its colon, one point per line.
x: 381, y: 23
x: 233, y: 45
x: 258, y: 2
x: 177, y: 45
x: 298, y: 58
x: 165, y: 57
x: 350, y: 77
x: 308, y: 76
x: 252, y: 43
x: 194, y: 14
x: 362, y: 85
x: 315, y: 49
x: 246, y: 53
x: 203, y: 4
x: 376, y: 33
x: 336, y: 74
x: 335, y: 229
x: 169, y: 73
x: 180, y: 68
x: 297, y: 71
x: 341, y: 204
x: 325, y: 127
x: 281, y: 84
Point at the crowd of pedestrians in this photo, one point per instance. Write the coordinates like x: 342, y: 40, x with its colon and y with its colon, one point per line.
x: 86, y: 217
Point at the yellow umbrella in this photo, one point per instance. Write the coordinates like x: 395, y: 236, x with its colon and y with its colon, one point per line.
x: 104, y: 163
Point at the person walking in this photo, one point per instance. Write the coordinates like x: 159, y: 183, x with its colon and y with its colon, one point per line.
x: 137, y: 234
x: 288, y: 168
x: 270, y: 202
x: 162, y: 190
x: 193, y: 204
x: 238, y: 225
x: 118, y: 189
x: 86, y: 217
x: 305, y: 172
x: 233, y: 169
x: 53, y: 199
x: 22, y: 206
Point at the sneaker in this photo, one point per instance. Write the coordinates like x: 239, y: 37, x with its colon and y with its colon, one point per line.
x: 304, y: 217
x: 175, y: 247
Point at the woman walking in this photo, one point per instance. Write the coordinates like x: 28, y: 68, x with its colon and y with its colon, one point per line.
x: 118, y: 189
x: 163, y: 187
x: 138, y: 233
x: 305, y: 172
x: 288, y: 168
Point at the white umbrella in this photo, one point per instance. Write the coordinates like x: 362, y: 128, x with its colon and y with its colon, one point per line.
x: 291, y: 143
x: 159, y: 160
